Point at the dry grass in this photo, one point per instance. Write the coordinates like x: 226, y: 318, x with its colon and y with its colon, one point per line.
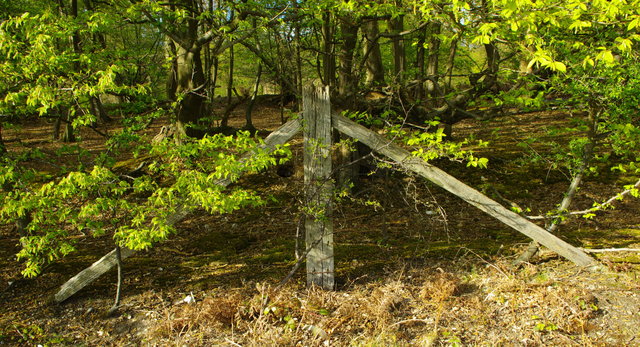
x: 488, y: 305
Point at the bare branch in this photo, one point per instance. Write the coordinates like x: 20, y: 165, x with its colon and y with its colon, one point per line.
x: 603, y: 250
x: 596, y: 208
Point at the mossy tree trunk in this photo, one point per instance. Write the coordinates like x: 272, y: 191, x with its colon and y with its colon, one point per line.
x: 3, y: 148
x: 347, y: 82
x: 396, y: 25
x: 190, y: 89
x: 372, y: 54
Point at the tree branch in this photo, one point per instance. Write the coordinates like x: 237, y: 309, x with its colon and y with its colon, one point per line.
x: 599, y: 207
x: 159, y: 25
x: 390, y: 35
x: 250, y: 33
x: 603, y: 250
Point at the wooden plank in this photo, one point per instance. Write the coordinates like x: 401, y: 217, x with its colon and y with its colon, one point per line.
x: 90, y: 274
x: 318, y: 186
x: 278, y: 137
x: 104, y: 264
x: 100, y: 267
x: 440, y: 178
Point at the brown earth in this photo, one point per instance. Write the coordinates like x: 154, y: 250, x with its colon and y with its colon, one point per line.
x: 419, y: 267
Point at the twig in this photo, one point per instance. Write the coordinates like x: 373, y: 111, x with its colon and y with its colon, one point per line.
x: 98, y: 131
x: 603, y: 250
x: 486, y: 262
x: 298, y: 227
x: 425, y: 321
x: 296, y: 266
x: 19, y: 333
x: 232, y: 343
x: 599, y: 207
x: 116, y: 303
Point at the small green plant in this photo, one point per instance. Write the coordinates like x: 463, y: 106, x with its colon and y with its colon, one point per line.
x: 587, y: 305
x: 544, y: 326
x: 290, y: 322
x: 31, y: 334
x: 452, y: 339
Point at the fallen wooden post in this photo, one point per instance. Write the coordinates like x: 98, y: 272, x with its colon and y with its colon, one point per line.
x: 440, y: 178
x: 318, y: 187
x: 90, y: 274
x: 104, y: 264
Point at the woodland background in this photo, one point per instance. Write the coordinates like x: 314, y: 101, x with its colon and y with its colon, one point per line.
x: 116, y: 114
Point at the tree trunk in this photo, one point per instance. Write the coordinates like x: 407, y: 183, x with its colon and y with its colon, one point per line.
x: 187, y: 84
x: 493, y: 59
x: 97, y: 37
x: 346, y: 160
x: 298, y: 79
x: 191, y: 89
x: 214, y: 79
x: 347, y: 88
x: 433, y: 60
x: 420, y: 71
x: 252, y: 100
x: 208, y: 70
x: 75, y: 37
x: 372, y: 54
x: 3, y: 148
x: 254, y: 92
x: 56, y: 129
x: 453, y: 49
x: 328, y: 58
x: 211, y: 62
x: 172, y: 78
x: 396, y: 25
x: 97, y: 109
x: 225, y: 118
x: 347, y: 83
x: 68, y: 135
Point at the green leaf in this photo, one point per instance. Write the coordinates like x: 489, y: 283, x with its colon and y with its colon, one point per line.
x: 588, y: 61
x: 558, y: 66
x: 624, y: 45
x: 606, y: 56
x: 634, y: 23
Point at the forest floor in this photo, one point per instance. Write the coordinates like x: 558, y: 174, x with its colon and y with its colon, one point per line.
x: 420, y: 267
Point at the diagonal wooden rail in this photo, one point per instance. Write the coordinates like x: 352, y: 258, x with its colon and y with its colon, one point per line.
x: 104, y: 264
x: 442, y: 179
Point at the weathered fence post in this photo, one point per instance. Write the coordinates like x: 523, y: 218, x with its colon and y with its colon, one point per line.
x: 318, y: 186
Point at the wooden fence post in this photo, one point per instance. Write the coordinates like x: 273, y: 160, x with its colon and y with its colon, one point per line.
x: 318, y: 186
